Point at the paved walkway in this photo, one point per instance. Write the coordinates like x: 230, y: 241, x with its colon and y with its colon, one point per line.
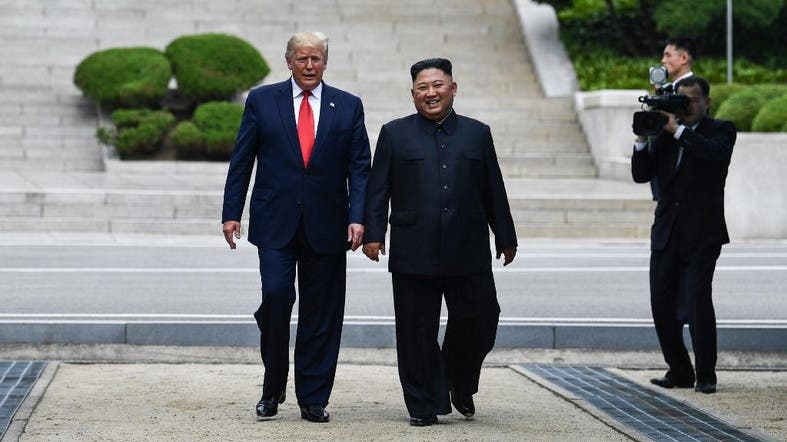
x: 192, y: 401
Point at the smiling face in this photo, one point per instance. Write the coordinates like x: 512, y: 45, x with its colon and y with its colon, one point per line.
x: 307, y: 64
x: 433, y: 93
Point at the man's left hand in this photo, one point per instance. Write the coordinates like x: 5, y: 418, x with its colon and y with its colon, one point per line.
x: 355, y: 235
x: 509, y: 253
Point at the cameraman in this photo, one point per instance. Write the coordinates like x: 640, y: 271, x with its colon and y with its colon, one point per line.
x: 678, y: 56
x: 690, y: 158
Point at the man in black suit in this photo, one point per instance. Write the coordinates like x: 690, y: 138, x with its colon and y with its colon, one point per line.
x: 690, y: 157
x: 440, y: 174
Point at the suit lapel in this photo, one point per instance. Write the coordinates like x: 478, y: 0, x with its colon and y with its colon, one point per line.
x: 287, y: 114
x: 327, y: 112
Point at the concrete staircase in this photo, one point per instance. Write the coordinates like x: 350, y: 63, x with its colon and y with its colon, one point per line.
x: 45, y: 125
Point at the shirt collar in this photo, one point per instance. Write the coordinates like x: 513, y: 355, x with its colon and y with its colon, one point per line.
x: 448, y: 124
x: 296, y: 90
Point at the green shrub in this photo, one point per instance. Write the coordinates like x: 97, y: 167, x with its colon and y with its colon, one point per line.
x: 219, y: 123
x: 742, y: 107
x: 139, y: 131
x: 772, y: 117
x: 215, y: 66
x: 188, y: 140
x: 719, y: 93
x: 124, y: 77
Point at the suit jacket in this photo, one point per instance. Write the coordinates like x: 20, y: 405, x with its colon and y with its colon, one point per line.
x: 445, y: 191
x: 328, y: 194
x: 691, y: 202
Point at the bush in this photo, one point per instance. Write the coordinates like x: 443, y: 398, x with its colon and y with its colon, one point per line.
x: 188, y: 140
x: 219, y: 123
x: 124, y: 77
x: 720, y: 92
x: 139, y: 131
x: 772, y: 117
x: 215, y: 66
x: 742, y: 107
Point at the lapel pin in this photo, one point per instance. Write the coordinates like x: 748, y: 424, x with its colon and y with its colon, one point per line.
x: 332, y: 105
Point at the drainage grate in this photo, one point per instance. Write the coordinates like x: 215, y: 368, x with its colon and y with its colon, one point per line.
x: 646, y: 411
x: 16, y: 380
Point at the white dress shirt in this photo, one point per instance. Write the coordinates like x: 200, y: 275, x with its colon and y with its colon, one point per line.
x: 314, y: 102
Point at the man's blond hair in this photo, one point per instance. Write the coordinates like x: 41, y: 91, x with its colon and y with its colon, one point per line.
x: 313, y: 39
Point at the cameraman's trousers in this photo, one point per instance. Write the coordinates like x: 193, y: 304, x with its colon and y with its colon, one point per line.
x: 680, y: 293
x: 426, y: 371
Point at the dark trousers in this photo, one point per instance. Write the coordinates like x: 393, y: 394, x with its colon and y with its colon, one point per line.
x: 425, y: 371
x: 321, y: 287
x: 680, y: 293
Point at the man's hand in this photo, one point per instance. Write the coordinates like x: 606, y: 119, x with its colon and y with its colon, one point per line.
x: 373, y: 249
x: 355, y: 235
x: 672, y: 122
x: 509, y: 253
x: 230, y: 229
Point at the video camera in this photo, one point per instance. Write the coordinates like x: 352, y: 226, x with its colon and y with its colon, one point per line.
x: 649, y: 123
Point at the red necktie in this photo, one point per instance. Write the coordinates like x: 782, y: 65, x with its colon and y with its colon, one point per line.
x: 306, y: 128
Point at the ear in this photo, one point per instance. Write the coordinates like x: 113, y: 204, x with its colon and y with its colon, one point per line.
x: 453, y: 88
x: 289, y: 64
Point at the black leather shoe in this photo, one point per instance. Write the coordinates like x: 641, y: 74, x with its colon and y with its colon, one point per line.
x: 267, y: 407
x: 703, y: 387
x: 464, y: 405
x: 314, y: 413
x: 666, y: 382
x: 423, y: 421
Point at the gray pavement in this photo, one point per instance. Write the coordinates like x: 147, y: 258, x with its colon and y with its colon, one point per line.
x: 176, y: 393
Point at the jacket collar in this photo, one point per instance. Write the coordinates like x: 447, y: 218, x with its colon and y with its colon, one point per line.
x: 448, y: 125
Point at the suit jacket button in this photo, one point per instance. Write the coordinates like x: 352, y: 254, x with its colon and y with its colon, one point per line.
x: 677, y: 204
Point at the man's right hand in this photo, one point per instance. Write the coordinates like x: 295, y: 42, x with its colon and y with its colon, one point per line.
x: 373, y: 249
x: 230, y: 229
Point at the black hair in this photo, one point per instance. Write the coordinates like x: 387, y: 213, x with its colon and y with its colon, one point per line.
x: 683, y: 44
x: 698, y: 81
x: 437, y: 63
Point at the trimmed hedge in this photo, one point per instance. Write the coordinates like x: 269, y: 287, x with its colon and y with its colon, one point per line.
x: 772, y: 117
x: 742, y: 107
x: 124, y: 77
x: 719, y: 93
x: 212, y: 132
x: 138, y: 131
x: 215, y: 66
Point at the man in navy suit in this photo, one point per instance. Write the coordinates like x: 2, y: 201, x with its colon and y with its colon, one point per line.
x: 690, y: 157
x: 439, y: 172
x: 312, y: 153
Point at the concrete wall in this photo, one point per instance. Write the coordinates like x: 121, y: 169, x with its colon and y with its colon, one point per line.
x: 756, y: 207
x: 605, y: 117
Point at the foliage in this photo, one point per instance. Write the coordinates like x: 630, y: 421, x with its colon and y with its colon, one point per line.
x: 639, y: 27
x: 215, y: 66
x: 124, y: 77
x: 211, y: 134
x: 219, y: 123
x: 772, y: 117
x: 720, y: 92
x: 742, y: 107
x: 137, y: 132
x: 188, y: 140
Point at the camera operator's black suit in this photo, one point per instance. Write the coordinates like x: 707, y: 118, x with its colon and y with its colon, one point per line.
x: 686, y: 238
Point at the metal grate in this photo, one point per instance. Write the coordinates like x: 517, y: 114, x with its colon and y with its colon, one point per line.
x: 655, y: 415
x: 16, y: 380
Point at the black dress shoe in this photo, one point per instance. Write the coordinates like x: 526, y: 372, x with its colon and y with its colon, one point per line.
x: 423, y: 421
x: 464, y: 405
x: 706, y: 388
x: 268, y: 406
x: 666, y: 382
x: 314, y: 413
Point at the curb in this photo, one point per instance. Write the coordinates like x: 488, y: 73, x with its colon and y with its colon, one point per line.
x: 374, y: 332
